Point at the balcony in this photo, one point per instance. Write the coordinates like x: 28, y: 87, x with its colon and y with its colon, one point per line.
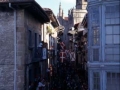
x: 39, y: 53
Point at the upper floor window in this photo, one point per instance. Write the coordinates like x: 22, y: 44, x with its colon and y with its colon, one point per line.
x: 112, y: 14
x: 112, y: 54
x: 112, y: 34
x: 96, y: 35
x: 94, y: 23
x: 94, y: 13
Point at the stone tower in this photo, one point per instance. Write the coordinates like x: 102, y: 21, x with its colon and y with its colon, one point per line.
x: 81, y: 4
x: 60, y: 10
x: 78, y: 13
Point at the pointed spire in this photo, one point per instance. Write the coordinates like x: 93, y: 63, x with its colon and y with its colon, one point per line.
x: 60, y: 10
x: 60, y: 5
x: 62, y: 13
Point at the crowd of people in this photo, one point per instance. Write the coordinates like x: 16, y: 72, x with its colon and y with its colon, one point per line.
x: 65, y: 75
x: 68, y: 76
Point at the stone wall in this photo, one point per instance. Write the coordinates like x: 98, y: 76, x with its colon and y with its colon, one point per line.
x: 32, y: 24
x: 6, y: 50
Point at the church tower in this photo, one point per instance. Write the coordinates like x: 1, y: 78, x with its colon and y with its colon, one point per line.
x: 81, y: 4
x: 60, y: 10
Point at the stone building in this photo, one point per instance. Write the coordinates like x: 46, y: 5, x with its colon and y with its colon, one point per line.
x: 77, y: 14
x: 50, y: 36
x: 104, y: 44
x: 20, y: 34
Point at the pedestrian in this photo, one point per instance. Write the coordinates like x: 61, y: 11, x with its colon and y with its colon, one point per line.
x: 40, y: 85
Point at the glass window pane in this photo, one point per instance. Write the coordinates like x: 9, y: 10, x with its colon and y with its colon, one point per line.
x: 117, y: 20
x: 109, y: 51
x: 109, y: 9
x: 109, y: 57
x: 117, y: 57
x: 116, y: 29
x: 116, y: 50
x: 116, y: 39
x: 109, y: 39
x: 113, y: 81
x: 95, y: 16
x: 108, y: 29
x: 117, y: 8
x: 117, y: 14
x: 95, y: 54
x: 113, y: 21
x: 96, y: 80
x: 108, y: 21
x: 108, y: 15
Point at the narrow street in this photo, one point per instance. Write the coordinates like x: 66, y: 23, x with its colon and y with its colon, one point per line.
x: 67, y: 77
x: 60, y: 45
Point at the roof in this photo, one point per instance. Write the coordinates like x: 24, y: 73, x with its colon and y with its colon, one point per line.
x: 52, y: 17
x: 29, y: 5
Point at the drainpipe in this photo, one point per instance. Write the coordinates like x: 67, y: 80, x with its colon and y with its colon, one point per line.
x: 15, y: 51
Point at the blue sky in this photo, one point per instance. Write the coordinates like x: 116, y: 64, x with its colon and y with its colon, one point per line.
x: 54, y: 5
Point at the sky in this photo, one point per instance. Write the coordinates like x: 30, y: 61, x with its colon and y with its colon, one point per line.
x: 54, y: 5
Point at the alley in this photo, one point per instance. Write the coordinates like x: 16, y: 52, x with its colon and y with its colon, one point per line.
x: 67, y: 77
x: 60, y: 45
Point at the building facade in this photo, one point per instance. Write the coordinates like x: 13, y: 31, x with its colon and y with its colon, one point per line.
x: 77, y: 14
x: 50, y: 36
x: 20, y: 32
x: 104, y: 44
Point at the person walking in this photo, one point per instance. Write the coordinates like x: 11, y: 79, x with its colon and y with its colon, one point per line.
x: 41, y: 85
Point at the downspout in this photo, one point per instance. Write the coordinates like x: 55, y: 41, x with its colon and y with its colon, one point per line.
x: 15, y: 51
